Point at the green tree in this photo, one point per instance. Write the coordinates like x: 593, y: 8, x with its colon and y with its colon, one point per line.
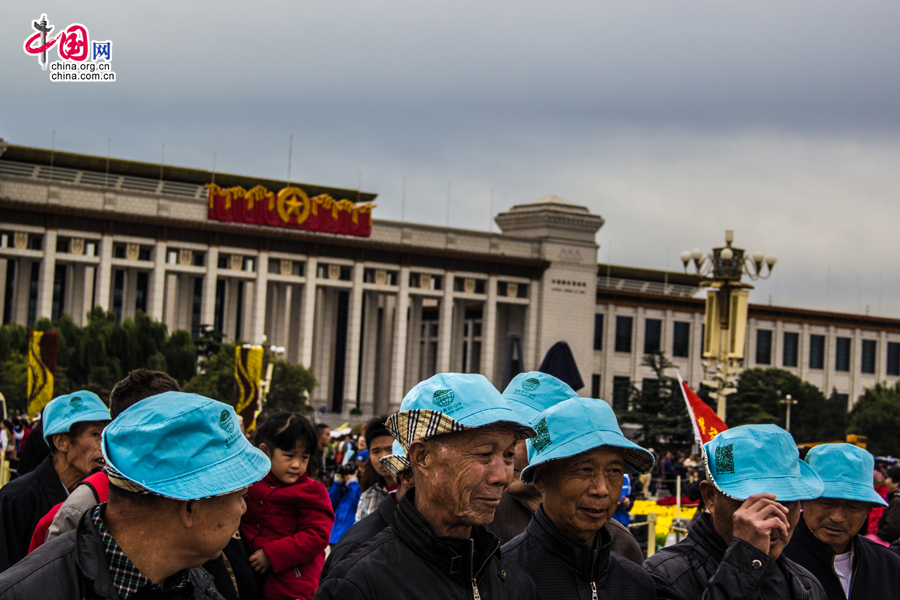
x: 216, y: 377
x: 14, y: 381
x: 659, y: 408
x: 180, y: 356
x: 877, y: 416
x: 289, y: 382
x: 813, y: 418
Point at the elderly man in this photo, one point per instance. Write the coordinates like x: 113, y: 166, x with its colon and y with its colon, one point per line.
x: 72, y: 428
x: 529, y: 394
x: 397, y: 467
x: 755, y: 482
x: 577, y: 461
x: 178, y: 468
x: 459, y: 435
x: 827, y: 540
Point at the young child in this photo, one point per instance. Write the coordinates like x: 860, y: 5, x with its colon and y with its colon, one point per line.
x: 289, y: 516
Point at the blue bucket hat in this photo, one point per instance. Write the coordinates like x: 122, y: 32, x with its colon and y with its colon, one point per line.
x: 63, y: 412
x: 846, y: 471
x: 760, y: 459
x: 449, y: 402
x: 578, y: 425
x: 396, y: 462
x: 181, y: 446
x: 532, y: 393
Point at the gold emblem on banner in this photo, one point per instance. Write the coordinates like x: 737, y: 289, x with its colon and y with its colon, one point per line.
x: 293, y: 202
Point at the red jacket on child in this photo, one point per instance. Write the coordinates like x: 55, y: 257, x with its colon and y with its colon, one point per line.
x: 292, y: 524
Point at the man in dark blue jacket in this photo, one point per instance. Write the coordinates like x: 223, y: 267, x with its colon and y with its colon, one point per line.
x: 827, y: 540
x: 578, y: 461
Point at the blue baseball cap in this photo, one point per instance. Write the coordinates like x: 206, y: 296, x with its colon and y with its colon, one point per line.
x: 362, y: 456
x: 846, y: 471
x: 182, y: 446
x: 760, y: 459
x: 578, y: 425
x: 532, y: 393
x: 63, y: 412
x: 449, y: 402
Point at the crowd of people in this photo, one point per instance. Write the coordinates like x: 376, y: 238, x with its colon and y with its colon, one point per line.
x: 465, y: 492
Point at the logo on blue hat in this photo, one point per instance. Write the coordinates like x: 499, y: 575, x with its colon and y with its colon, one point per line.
x: 529, y: 385
x: 75, y: 402
x: 443, y: 398
x: 542, y: 440
x: 725, y: 459
x: 225, y: 422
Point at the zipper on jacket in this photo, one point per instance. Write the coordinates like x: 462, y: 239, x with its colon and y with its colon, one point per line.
x: 475, y: 593
x: 594, y: 591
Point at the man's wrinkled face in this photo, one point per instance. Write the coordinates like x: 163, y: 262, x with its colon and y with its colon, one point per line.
x: 835, y: 521
x: 581, y: 492
x: 469, y: 472
x: 84, y: 453
x: 380, y: 447
x: 519, y: 463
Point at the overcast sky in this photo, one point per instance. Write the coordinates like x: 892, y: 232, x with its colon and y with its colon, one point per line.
x: 672, y: 120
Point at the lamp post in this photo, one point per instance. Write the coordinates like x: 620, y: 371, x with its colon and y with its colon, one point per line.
x: 789, y: 401
x: 726, y: 310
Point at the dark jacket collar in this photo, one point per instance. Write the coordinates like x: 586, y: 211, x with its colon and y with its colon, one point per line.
x: 386, y: 508
x: 704, y: 534
x: 590, y: 564
x: 50, y: 481
x: 459, y: 558
x: 91, y: 558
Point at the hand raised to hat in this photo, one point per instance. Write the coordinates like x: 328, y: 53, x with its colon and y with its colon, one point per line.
x: 760, y: 519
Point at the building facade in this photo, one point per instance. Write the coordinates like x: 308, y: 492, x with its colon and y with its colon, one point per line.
x: 373, y: 316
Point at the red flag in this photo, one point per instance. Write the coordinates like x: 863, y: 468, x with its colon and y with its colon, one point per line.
x: 706, y: 422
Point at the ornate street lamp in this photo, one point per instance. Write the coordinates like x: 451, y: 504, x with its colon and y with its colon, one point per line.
x: 726, y: 310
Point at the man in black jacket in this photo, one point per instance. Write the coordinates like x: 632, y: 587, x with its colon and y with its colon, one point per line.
x: 172, y: 507
x: 72, y: 427
x: 755, y: 480
x: 827, y: 539
x: 578, y: 461
x: 459, y: 434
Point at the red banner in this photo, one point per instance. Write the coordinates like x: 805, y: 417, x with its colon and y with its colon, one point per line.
x: 290, y: 208
x: 706, y: 422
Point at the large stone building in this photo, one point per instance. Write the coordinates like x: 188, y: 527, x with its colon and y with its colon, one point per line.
x: 80, y: 231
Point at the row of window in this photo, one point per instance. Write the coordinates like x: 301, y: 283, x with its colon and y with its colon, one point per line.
x: 681, y: 335
x: 842, y: 352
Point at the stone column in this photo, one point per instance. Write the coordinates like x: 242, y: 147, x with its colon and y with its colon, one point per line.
x: 156, y: 301
x: 354, y: 333
x: 261, y: 287
x: 101, y: 298
x: 170, y: 299
x: 531, y: 343
x: 210, y: 285
x: 445, y: 330
x: 489, y: 332
x: 48, y: 270
x: 88, y: 290
x: 370, y: 355
x: 308, y: 312
x: 284, y: 336
x: 3, y: 298
x: 400, y: 332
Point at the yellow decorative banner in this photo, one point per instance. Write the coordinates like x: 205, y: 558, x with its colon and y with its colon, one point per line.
x: 248, y: 362
x: 43, y: 347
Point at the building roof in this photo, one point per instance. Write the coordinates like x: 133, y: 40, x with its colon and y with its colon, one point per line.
x: 158, y: 172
